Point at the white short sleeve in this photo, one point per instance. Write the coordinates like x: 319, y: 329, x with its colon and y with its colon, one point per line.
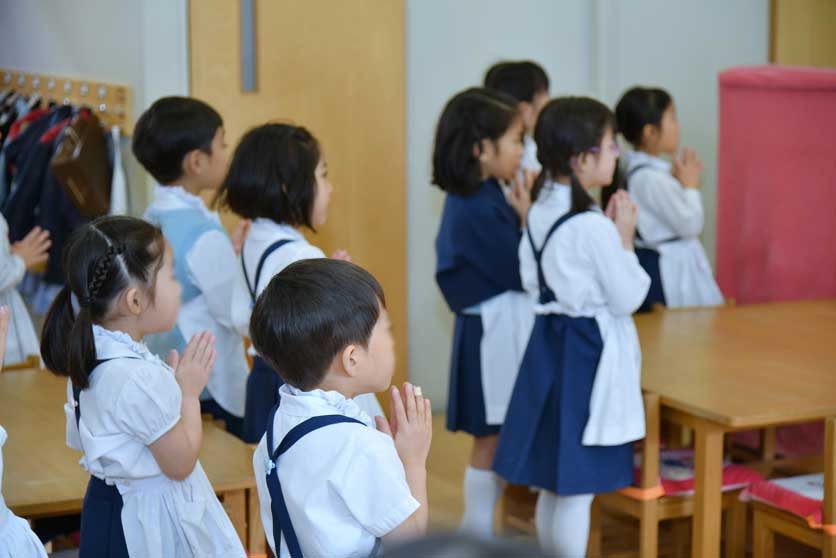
x: 148, y: 405
x: 373, y: 485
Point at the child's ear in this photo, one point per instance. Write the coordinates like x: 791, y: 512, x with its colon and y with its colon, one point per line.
x: 134, y: 301
x: 649, y: 133
x: 193, y: 162
x: 349, y: 358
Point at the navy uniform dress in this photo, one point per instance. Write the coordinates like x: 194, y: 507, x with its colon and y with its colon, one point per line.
x: 263, y: 382
x: 476, y: 251
x: 540, y: 444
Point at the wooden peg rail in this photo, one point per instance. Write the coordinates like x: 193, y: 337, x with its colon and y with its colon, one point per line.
x: 111, y: 102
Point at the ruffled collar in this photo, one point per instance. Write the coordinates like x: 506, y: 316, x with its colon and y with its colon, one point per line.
x: 319, y: 402
x: 118, y: 344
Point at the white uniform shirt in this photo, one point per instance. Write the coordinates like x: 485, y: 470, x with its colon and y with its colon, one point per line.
x: 592, y: 275
x: 529, y: 159
x: 263, y: 233
x: 22, y: 340
x: 344, y: 484
x: 132, y: 401
x: 219, y: 308
x: 16, y: 538
x: 667, y: 210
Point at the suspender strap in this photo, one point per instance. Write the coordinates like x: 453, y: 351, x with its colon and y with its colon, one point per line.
x: 282, y: 526
x: 253, y: 287
x: 546, y: 294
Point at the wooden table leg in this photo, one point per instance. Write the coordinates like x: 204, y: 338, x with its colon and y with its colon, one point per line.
x: 736, y: 530
x: 257, y: 541
x: 764, y: 538
x: 235, y: 504
x: 708, y: 483
x: 829, y: 505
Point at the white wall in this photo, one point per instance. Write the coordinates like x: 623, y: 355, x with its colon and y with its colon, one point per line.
x: 140, y: 44
x: 682, y: 45
x: 449, y: 45
x: 597, y: 48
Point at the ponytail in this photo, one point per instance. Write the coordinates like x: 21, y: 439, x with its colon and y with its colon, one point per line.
x: 101, y: 260
x: 581, y: 200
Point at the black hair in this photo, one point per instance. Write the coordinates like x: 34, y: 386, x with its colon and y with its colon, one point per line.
x: 309, y: 312
x: 568, y: 127
x: 101, y: 259
x: 639, y: 107
x: 169, y: 130
x: 273, y: 175
x: 522, y: 80
x: 469, y: 117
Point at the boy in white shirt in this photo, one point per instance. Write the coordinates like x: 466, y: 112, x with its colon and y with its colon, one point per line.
x: 331, y: 484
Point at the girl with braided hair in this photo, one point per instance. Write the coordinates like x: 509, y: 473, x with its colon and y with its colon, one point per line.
x: 135, y: 418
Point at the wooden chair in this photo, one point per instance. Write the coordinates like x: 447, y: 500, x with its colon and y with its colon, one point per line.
x: 647, y: 503
x: 769, y: 520
x: 32, y: 361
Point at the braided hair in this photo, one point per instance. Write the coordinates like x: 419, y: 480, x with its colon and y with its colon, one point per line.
x: 101, y: 260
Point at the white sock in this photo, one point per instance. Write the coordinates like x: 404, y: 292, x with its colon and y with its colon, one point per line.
x: 482, y: 489
x: 544, y: 520
x: 570, y: 526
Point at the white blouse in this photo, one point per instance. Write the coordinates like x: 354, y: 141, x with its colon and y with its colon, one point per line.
x: 667, y: 210
x: 16, y: 538
x: 132, y: 400
x: 22, y: 340
x: 263, y: 233
x: 344, y: 484
x: 213, y: 268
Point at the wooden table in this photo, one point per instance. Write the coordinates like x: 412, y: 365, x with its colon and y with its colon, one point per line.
x: 737, y: 368
x: 43, y: 478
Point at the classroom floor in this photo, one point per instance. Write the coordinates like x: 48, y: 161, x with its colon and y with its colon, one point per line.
x: 448, y: 458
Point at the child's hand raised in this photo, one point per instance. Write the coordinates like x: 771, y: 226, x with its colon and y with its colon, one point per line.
x: 239, y: 235
x: 33, y: 249
x: 624, y: 213
x: 411, y: 425
x: 192, y: 368
x: 4, y: 329
x: 520, y: 198
x: 341, y: 255
x: 687, y: 168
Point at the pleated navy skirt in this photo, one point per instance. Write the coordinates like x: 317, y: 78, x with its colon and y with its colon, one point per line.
x: 263, y: 385
x: 540, y: 443
x: 466, y: 400
x: 101, y: 522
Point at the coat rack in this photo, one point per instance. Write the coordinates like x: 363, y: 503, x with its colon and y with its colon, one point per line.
x: 112, y: 103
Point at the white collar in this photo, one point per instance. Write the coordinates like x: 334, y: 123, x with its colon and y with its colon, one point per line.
x: 167, y: 198
x: 271, y: 229
x: 112, y: 344
x: 317, y: 402
x: 636, y: 158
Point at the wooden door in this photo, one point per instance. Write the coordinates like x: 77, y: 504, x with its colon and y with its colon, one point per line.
x: 338, y: 69
x: 803, y: 33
